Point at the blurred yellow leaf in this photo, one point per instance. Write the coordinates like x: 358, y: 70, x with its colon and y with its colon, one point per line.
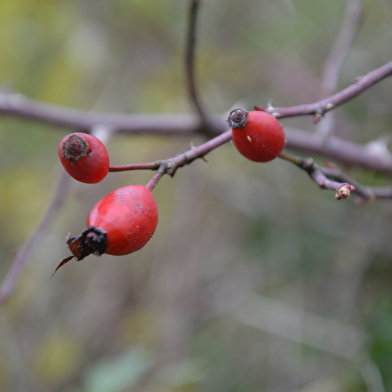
x: 57, y: 358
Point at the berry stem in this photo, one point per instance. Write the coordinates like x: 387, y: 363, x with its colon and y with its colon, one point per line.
x: 162, y: 170
x: 136, y: 166
x: 169, y: 166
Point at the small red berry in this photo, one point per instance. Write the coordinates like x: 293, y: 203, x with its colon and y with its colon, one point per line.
x: 120, y: 223
x: 84, y: 157
x: 257, y: 135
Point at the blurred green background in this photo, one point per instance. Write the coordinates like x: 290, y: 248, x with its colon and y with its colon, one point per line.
x: 256, y: 280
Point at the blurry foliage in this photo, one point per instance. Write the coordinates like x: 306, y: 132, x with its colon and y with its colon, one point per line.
x: 118, y: 374
x: 166, y: 318
x: 56, y: 358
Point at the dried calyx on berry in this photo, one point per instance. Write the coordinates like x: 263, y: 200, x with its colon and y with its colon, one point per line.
x: 237, y: 118
x: 92, y: 241
x: 74, y: 147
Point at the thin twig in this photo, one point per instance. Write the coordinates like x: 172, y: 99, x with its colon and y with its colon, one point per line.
x: 338, y: 149
x: 200, y: 151
x: 59, y: 193
x: 316, y: 173
x: 17, y: 105
x: 162, y: 170
x: 365, y: 192
x: 329, y: 177
x: 170, y: 165
x: 334, y: 63
x: 135, y: 166
x: 190, y: 60
x: 22, y: 107
x: 321, y: 107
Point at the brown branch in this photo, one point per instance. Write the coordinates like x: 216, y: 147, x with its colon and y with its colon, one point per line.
x: 18, y: 105
x: 200, y: 151
x: 321, y: 175
x: 336, y: 58
x: 341, y: 47
x: 321, y: 107
x: 59, y: 193
x: 170, y: 165
x: 338, y: 149
x: 190, y: 60
x: 316, y: 173
x: 366, y: 193
x: 162, y: 170
x: 329, y: 177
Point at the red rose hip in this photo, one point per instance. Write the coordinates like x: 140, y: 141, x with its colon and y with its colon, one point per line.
x: 120, y: 223
x: 84, y: 157
x: 128, y: 215
x: 257, y: 135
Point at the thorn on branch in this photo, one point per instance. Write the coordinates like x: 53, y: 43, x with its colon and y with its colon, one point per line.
x: 203, y: 158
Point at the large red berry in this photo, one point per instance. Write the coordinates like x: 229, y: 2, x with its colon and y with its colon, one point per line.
x: 84, y: 157
x: 128, y: 215
x: 257, y: 135
x: 119, y: 224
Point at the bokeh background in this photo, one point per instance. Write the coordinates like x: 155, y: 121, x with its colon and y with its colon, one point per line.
x: 256, y: 280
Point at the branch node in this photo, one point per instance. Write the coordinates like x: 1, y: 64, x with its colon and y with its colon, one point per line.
x: 170, y: 168
x: 306, y: 164
x: 317, y: 117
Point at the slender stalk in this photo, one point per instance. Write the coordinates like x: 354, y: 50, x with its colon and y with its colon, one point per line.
x: 157, y: 176
x: 190, y: 60
x: 321, y: 107
x: 334, y: 63
x: 135, y: 166
x: 59, y: 194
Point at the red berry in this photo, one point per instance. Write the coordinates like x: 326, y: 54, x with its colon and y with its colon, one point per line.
x: 119, y: 224
x: 84, y: 157
x: 258, y: 135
